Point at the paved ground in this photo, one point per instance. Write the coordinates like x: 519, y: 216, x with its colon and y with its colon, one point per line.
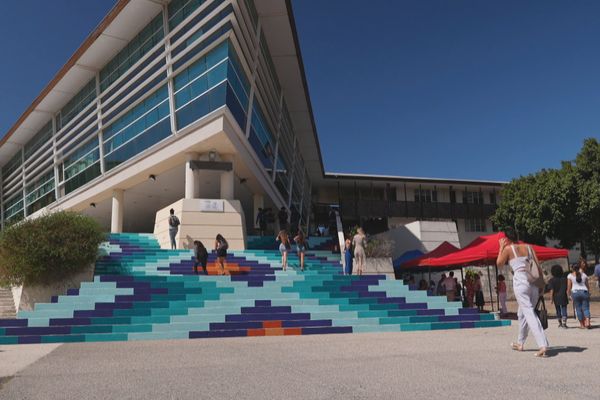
x: 455, y: 364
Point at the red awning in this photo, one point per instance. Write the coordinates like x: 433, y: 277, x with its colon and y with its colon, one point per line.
x: 424, y: 261
x: 484, y: 251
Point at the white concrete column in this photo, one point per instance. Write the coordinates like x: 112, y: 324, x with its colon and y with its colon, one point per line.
x: 190, y: 177
x: 227, y: 180
x: 259, y: 202
x: 116, y: 219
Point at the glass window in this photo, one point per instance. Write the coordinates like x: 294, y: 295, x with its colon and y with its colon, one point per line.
x: 137, y: 48
x: 143, y: 126
x: 262, y: 139
x: 425, y: 196
x: 42, y: 137
x: 40, y: 193
x: 11, y: 166
x: 475, y: 225
x: 472, y: 197
x: 13, y: 209
x: 80, y: 101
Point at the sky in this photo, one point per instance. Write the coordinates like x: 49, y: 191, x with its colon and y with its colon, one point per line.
x: 465, y: 89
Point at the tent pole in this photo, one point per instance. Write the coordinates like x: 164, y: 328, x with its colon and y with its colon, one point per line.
x: 462, y: 284
x: 497, y: 294
x: 490, y: 287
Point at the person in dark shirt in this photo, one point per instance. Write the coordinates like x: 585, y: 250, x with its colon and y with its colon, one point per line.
x: 200, y: 256
x: 282, y: 215
x: 557, y: 285
x: 261, y: 220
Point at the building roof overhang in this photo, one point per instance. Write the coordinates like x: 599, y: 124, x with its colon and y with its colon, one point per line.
x: 331, y: 176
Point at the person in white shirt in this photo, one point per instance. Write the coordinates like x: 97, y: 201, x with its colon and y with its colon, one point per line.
x: 450, y: 285
x: 579, y: 291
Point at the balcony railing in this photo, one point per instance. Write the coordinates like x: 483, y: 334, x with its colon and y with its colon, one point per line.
x: 412, y: 209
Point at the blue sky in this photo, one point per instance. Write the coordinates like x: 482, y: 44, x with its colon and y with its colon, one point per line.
x: 454, y: 89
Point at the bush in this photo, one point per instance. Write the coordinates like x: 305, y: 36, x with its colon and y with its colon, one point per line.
x: 48, y: 249
x: 379, y: 248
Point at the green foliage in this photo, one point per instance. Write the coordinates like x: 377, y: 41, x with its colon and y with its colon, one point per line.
x: 48, y: 249
x: 563, y: 203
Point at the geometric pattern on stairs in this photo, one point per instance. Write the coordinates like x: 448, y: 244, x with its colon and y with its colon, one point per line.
x: 142, y: 292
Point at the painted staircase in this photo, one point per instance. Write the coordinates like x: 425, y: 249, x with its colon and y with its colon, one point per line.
x: 141, y: 291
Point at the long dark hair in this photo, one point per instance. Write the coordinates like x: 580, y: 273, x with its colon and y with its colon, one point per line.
x: 577, y: 271
x: 220, y: 238
x: 199, y: 245
x: 511, y: 234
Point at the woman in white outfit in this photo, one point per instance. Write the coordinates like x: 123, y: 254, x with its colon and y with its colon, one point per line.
x: 359, y: 241
x: 527, y: 294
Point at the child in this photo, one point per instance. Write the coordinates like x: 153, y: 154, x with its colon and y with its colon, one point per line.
x: 558, y: 287
x: 348, y: 257
x: 501, y: 290
x: 200, y: 256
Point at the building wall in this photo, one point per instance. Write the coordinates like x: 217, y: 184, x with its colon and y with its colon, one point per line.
x: 192, y: 58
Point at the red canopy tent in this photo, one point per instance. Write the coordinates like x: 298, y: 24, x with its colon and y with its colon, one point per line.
x: 484, y: 251
x: 424, y: 261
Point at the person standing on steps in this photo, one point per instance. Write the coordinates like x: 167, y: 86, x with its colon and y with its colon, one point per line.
x: 450, y: 285
x: 221, y: 247
x: 348, y: 257
x: 520, y: 257
x: 579, y: 291
x: 173, y: 228
x: 261, y: 220
x: 282, y: 216
x: 284, y: 247
x: 300, y: 240
x: 200, y: 256
x: 501, y: 290
x: 479, y: 299
x: 359, y: 241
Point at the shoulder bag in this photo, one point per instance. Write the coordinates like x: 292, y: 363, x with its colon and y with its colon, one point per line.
x: 535, y: 276
x: 541, y: 312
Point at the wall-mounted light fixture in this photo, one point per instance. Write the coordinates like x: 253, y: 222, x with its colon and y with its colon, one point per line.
x: 212, y: 155
x: 152, y: 178
x: 93, y: 205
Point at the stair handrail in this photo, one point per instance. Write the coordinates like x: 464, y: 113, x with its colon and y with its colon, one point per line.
x: 341, y: 240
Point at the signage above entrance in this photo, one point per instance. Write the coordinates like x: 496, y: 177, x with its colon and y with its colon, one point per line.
x: 212, y: 205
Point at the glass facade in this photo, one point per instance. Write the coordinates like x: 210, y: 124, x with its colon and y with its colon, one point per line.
x: 125, y: 108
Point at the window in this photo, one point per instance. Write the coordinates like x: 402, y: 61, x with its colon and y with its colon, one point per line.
x: 146, y: 124
x: 475, y: 225
x: 76, y: 104
x: 452, y: 196
x: 493, y: 198
x: 42, y: 137
x: 136, y: 49
x: 472, y: 197
x: 425, y: 196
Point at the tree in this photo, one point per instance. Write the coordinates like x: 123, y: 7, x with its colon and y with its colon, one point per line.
x: 551, y: 204
x: 587, y: 166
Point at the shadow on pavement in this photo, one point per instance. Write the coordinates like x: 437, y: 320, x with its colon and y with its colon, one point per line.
x: 554, y: 351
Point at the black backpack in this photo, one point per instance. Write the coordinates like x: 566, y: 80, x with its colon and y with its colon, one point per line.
x: 174, y: 221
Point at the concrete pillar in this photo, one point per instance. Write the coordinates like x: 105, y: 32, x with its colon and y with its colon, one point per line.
x: 227, y: 181
x: 116, y: 219
x: 190, y: 177
x: 259, y: 202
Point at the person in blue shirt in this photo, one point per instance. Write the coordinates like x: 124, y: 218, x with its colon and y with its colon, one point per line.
x: 348, y: 257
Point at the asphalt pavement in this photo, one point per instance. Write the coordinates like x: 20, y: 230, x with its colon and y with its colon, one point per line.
x: 453, y: 364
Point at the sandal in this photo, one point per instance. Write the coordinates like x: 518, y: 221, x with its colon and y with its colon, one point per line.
x: 516, y: 346
x: 541, y: 353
